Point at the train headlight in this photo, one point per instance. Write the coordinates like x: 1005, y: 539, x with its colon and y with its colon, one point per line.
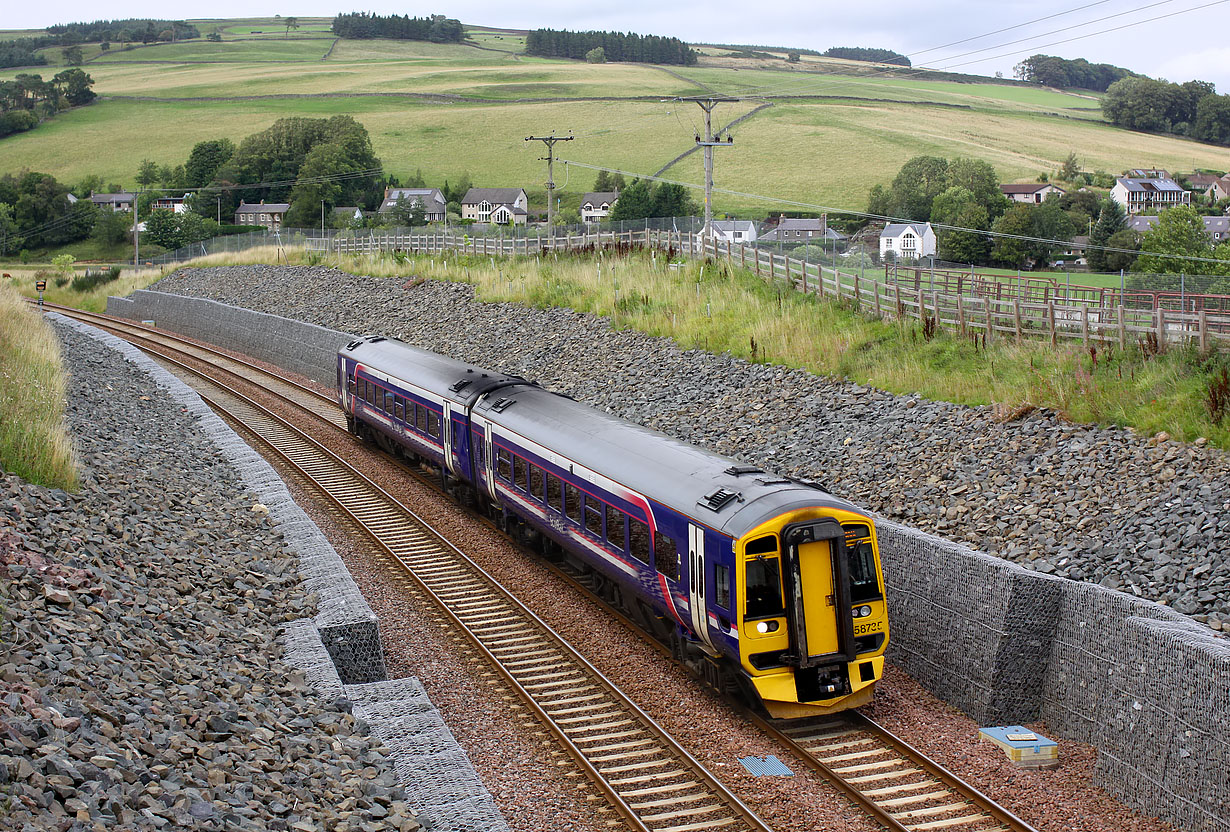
x: 766, y: 627
x: 863, y: 611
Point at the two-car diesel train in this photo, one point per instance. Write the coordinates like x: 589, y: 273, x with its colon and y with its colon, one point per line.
x: 761, y: 583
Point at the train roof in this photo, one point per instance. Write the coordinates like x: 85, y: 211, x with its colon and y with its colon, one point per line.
x: 451, y: 379
x: 715, y: 490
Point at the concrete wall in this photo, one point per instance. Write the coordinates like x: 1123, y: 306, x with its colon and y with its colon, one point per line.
x: 1148, y: 688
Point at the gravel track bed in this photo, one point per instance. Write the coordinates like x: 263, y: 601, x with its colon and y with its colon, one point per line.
x: 141, y: 685
x: 507, y: 752
x: 1096, y: 504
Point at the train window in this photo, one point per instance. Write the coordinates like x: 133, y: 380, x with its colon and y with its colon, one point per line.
x: 762, y: 545
x: 537, y: 483
x: 555, y: 493
x: 399, y: 409
x: 519, y: 474
x: 666, y: 556
x: 721, y: 583
x: 433, y: 424
x: 764, y: 587
x: 593, y: 516
x: 616, y: 534
x: 350, y: 384
x: 420, y: 417
x: 572, y: 502
x: 864, y: 584
x: 389, y: 398
x: 363, y: 389
x: 476, y: 442
x: 503, y: 464
x: 638, y: 538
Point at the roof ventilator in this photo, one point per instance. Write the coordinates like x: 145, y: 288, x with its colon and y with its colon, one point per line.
x: 718, y: 499
x: 740, y: 470
x: 501, y: 405
x: 458, y: 385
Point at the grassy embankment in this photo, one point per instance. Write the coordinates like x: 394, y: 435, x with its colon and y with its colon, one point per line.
x: 33, y: 442
x: 731, y: 310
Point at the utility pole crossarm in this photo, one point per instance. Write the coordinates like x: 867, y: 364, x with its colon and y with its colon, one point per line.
x: 550, y: 141
x: 708, y: 143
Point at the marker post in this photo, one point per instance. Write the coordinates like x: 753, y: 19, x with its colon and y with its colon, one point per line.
x: 40, y: 286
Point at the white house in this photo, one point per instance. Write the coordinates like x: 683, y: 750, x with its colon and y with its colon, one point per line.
x: 597, y: 206
x: 1035, y: 193
x: 434, y: 205
x: 729, y: 231
x: 174, y: 204
x: 496, y: 205
x: 1142, y: 195
x: 907, y: 240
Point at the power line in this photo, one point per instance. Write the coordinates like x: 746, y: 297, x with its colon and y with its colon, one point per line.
x: 868, y: 215
x: 550, y: 141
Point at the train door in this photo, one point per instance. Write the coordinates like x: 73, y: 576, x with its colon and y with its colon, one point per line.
x: 489, y: 459
x: 696, y: 586
x: 817, y: 591
x: 446, y: 436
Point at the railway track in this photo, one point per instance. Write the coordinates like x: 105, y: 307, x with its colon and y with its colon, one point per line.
x: 648, y: 779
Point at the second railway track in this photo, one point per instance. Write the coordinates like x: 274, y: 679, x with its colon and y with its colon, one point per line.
x: 647, y: 777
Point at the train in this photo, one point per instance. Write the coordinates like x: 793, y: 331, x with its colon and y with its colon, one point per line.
x: 765, y: 586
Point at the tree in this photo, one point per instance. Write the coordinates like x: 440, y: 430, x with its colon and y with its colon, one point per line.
x: 1071, y: 168
x: 793, y: 57
x: 1017, y: 221
x: 148, y: 174
x: 291, y: 23
x: 671, y: 200
x: 1125, y: 260
x: 205, y: 160
x: 635, y: 202
x: 73, y: 56
x: 74, y: 85
x: 161, y: 229
x: 959, y: 207
x: 112, y: 227
x: 1111, y: 220
x: 10, y: 240
x: 917, y: 184
x: 980, y: 179
x: 1213, y: 119
x: 1179, y: 234
x: 597, y: 55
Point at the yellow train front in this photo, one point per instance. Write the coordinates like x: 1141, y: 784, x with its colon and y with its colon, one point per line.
x: 813, y: 624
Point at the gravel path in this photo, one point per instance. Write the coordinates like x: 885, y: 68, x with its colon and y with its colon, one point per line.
x: 1094, y: 504
x: 140, y: 679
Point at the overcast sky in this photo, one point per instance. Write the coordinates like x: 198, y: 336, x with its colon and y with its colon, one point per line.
x: 1190, y: 44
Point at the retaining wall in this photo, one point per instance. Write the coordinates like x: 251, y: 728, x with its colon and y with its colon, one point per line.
x: 1146, y: 687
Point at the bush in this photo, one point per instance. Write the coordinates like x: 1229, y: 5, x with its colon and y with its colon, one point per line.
x: 93, y: 278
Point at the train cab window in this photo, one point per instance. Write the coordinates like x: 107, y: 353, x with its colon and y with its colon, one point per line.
x: 721, y: 583
x: 864, y: 583
x: 666, y: 556
x: 572, y: 503
x: 399, y: 408
x: 638, y: 540
x: 433, y: 424
x: 616, y: 534
x: 593, y: 516
x: 519, y: 473
x: 555, y: 493
x: 351, y: 385
x: 764, y: 578
x: 503, y: 464
x: 537, y: 484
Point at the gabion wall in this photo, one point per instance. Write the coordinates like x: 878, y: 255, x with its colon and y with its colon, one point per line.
x: 1148, y: 688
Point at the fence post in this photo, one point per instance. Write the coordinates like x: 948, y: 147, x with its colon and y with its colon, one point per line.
x: 1161, y: 328
x: 1122, y: 326
x: 875, y: 287
x: 1203, y: 324
x: 960, y: 314
x: 1016, y: 317
x: 1085, y: 322
x: 988, y: 311
x: 921, y: 304
x: 858, y: 298
x: 1050, y: 313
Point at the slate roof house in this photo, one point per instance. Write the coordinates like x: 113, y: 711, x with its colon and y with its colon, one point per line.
x: 114, y: 202
x: 800, y: 230
x: 733, y: 231
x: 1141, y: 195
x: 268, y: 214
x: 435, y: 207
x: 1034, y: 193
x: 1218, y: 228
x: 1219, y: 189
x: 597, y: 206
x: 907, y: 240
x: 496, y: 205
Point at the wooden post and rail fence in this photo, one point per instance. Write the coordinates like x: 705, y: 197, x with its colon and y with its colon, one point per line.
x: 965, y: 303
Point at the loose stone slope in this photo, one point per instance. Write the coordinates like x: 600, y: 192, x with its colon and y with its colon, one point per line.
x: 140, y: 685
x: 1092, y: 504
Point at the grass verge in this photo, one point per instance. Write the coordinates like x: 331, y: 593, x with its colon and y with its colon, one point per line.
x: 33, y: 442
x: 720, y: 309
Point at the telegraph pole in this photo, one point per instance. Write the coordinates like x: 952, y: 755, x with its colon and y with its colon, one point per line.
x: 550, y: 141
x: 707, y: 104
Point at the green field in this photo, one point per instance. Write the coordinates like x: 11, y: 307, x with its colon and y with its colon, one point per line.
x: 453, y: 108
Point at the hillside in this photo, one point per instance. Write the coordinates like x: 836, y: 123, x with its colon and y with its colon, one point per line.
x: 835, y: 127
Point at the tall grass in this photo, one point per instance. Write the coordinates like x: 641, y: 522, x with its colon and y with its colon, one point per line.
x: 720, y: 308
x: 33, y: 441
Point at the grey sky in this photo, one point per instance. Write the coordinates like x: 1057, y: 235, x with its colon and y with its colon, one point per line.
x: 1179, y: 48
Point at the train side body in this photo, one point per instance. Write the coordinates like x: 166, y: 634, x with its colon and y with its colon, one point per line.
x: 772, y: 577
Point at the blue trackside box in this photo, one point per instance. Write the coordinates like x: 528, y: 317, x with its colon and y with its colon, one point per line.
x: 1025, y: 748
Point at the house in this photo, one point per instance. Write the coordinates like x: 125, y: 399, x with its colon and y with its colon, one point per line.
x: 1148, y: 173
x: 907, y: 240
x: 799, y: 230
x: 500, y: 206
x: 1074, y: 253
x: 350, y: 215
x: 268, y: 214
x: 435, y: 206
x: 1218, y: 228
x: 174, y: 204
x: 1141, y: 195
x: 1220, y: 189
x: 1034, y: 193
x: 728, y: 231
x: 597, y: 206
x: 1199, y: 181
x: 114, y: 202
